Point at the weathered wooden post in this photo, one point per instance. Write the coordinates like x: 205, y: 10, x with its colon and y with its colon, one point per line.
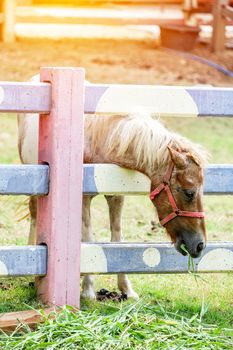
x: 219, y: 22
x: 59, y: 213
x: 7, y: 20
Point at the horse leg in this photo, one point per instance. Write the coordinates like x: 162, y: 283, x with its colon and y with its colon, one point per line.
x: 87, y: 236
x: 115, y: 204
x: 33, y: 214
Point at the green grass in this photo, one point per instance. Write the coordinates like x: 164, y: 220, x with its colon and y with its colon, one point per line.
x: 21, y: 291
x: 124, y: 327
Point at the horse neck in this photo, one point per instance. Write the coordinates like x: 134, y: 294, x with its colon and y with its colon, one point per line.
x: 130, y: 162
x: 136, y: 155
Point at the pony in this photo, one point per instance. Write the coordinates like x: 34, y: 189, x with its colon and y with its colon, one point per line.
x: 139, y: 142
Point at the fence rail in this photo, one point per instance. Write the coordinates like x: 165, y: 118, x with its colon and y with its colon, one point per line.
x: 102, y: 98
x: 23, y: 261
x: 112, y: 179
x: 112, y: 258
x: 103, y: 179
x: 25, y: 97
x: 170, y: 101
x: 24, y: 179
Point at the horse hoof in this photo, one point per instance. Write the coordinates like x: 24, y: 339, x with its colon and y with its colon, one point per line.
x: 88, y: 294
x: 132, y: 295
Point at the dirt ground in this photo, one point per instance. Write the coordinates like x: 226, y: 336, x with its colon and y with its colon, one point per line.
x: 114, y: 61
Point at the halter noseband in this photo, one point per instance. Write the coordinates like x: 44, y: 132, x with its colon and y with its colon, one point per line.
x: 175, y: 210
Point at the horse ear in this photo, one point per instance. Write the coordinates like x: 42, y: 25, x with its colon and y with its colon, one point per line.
x: 194, y: 158
x: 177, y: 157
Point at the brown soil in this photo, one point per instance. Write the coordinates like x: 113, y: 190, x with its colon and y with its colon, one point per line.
x: 114, y: 61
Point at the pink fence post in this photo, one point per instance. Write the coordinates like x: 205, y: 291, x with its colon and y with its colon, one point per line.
x: 60, y: 213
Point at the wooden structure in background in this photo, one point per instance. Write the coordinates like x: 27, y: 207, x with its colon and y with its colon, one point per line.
x: 222, y: 11
x: 198, y: 5
x: 7, y: 20
x: 102, y: 2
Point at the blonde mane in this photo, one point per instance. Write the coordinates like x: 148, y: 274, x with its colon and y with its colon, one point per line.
x: 138, y: 134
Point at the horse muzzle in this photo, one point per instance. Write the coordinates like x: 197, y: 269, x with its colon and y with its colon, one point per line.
x: 190, y: 243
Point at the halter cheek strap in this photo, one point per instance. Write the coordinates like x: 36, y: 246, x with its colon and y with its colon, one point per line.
x: 164, y: 186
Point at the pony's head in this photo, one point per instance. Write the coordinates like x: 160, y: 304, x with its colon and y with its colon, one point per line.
x: 174, y: 165
x: 178, y: 200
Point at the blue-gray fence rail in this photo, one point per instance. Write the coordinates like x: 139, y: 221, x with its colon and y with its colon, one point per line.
x: 111, y: 258
x: 103, y: 179
x: 103, y: 98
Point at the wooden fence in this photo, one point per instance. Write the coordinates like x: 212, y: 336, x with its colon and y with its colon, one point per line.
x: 59, y: 256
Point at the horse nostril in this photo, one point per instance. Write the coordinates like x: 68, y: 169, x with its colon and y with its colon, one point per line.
x: 200, y: 247
x: 183, y: 247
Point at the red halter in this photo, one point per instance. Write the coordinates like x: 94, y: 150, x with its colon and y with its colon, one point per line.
x: 176, y: 211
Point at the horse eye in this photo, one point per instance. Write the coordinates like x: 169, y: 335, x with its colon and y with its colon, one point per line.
x: 189, y: 194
